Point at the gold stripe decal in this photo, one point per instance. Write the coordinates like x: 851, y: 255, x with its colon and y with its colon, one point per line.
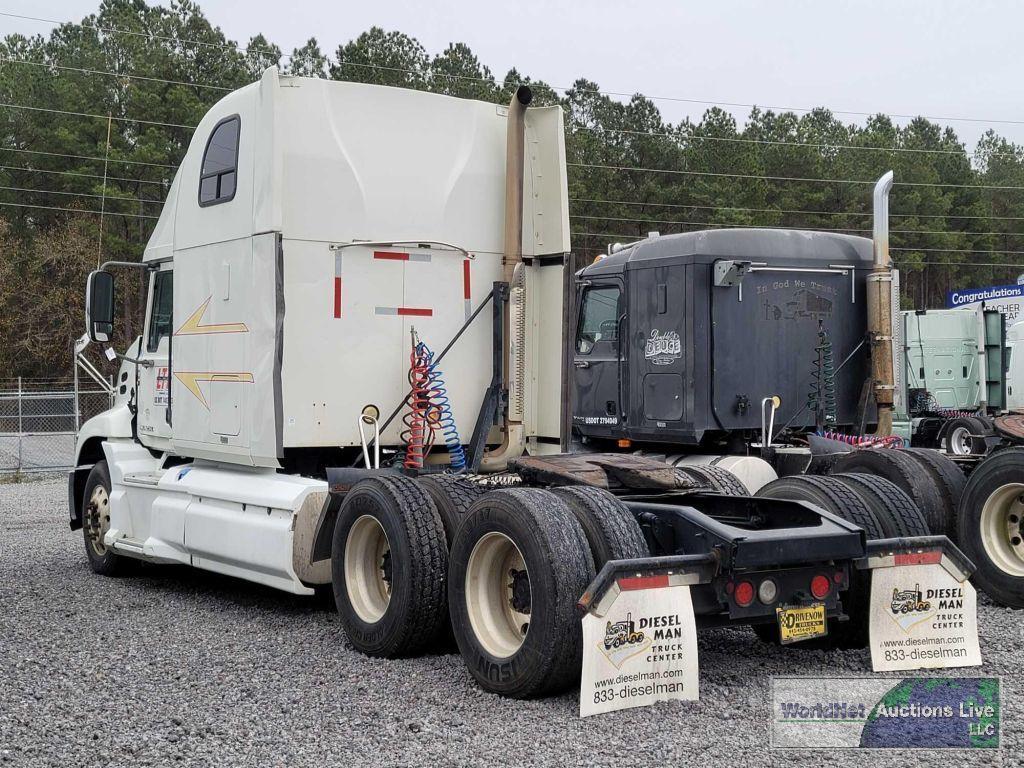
x: 193, y: 325
x: 191, y: 379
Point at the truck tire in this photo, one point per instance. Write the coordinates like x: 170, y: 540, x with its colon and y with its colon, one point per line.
x: 898, y: 467
x: 96, y: 522
x: 990, y: 526
x: 389, y: 562
x: 897, y: 514
x: 957, y: 437
x: 519, y: 563
x: 829, y: 493
x: 949, y: 477
x: 452, y: 496
x: 611, y: 530
x: 835, y: 496
x: 715, y: 479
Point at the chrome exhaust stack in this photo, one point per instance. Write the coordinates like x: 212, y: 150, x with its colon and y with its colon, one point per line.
x: 513, y: 440
x: 880, y: 309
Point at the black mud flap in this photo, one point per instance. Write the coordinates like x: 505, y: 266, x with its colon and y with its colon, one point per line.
x: 339, y: 482
x: 76, y: 487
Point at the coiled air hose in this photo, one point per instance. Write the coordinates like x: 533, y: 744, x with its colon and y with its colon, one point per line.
x: 430, y: 412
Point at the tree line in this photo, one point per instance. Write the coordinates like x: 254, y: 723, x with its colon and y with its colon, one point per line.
x: 97, y: 115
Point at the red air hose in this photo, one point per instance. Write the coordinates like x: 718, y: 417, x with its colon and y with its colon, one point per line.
x: 417, y: 431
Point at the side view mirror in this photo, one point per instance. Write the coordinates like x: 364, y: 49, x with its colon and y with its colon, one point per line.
x: 99, y: 306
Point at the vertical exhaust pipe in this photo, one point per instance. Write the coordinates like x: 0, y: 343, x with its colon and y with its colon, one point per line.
x: 512, y: 444
x: 515, y: 151
x: 880, y: 319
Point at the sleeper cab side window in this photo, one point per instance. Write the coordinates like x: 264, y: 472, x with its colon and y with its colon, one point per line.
x: 160, y: 315
x: 599, y: 318
x: 219, y: 175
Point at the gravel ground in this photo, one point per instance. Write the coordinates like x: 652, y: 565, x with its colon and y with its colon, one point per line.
x: 180, y: 667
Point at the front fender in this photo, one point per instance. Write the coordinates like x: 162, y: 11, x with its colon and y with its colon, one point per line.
x: 115, y: 422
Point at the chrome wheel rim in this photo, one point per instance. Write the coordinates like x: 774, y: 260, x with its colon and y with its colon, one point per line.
x: 499, y: 596
x: 368, y: 569
x: 97, y: 520
x: 1002, y: 534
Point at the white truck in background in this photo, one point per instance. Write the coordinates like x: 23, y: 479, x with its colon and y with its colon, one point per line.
x: 1015, y: 368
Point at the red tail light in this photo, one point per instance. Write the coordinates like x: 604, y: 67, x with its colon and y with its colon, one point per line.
x: 820, y: 586
x: 744, y: 594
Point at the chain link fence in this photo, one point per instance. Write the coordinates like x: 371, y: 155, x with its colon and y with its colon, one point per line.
x: 39, y: 419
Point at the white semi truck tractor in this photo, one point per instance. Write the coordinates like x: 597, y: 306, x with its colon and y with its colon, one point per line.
x: 353, y: 375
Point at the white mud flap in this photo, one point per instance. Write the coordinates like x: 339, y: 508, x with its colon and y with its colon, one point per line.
x: 642, y: 648
x: 924, y: 613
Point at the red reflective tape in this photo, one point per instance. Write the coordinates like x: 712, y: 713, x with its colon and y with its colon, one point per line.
x: 391, y: 255
x: 919, y: 558
x: 337, y: 297
x: 465, y: 279
x: 643, y: 582
x: 418, y: 312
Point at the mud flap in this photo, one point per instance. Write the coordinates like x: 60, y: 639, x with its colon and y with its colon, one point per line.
x: 924, y: 611
x: 640, y: 634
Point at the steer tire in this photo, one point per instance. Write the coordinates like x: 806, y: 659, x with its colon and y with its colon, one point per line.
x: 991, y: 504
x: 897, y: 514
x: 957, y: 436
x: 837, y: 497
x: 901, y: 468
x: 715, y: 479
x: 611, y: 530
x: 506, y: 528
x: 96, y: 521
x: 408, y: 610
x: 453, y: 496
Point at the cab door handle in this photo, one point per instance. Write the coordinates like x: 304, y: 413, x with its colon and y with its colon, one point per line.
x: 581, y: 363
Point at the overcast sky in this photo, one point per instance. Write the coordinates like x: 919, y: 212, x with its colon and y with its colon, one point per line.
x: 931, y: 57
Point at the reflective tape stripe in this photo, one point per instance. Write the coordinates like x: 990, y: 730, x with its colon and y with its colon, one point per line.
x: 407, y: 311
x: 337, y: 284
x: 400, y: 256
x: 644, y: 582
x: 918, y: 558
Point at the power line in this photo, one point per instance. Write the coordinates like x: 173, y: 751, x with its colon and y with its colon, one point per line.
x: 77, y: 173
x: 717, y: 174
x: 33, y: 190
x: 86, y: 157
x: 960, y: 250
x: 677, y: 137
x: 673, y: 171
x: 621, y: 94
x: 113, y: 74
x: 791, y: 210
x: 80, y: 210
x: 774, y: 226
x: 681, y: 138
x: 676, y: 171
x: 634, y: 237
x: 101, y: 117
x: 148, y: 35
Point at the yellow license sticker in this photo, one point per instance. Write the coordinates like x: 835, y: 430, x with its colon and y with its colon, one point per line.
x: 801, y: 622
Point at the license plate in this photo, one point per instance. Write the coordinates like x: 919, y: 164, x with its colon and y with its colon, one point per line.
x: 801, y: 622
